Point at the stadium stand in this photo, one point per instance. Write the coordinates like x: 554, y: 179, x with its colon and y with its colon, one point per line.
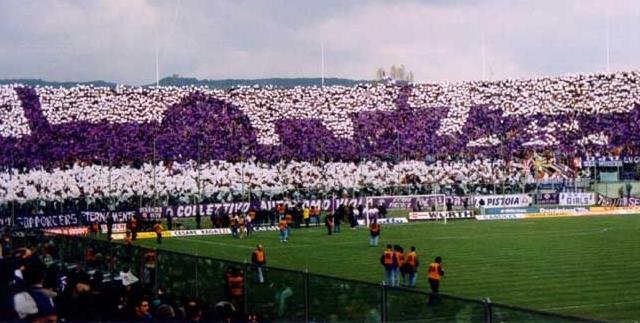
x: 94, y: 142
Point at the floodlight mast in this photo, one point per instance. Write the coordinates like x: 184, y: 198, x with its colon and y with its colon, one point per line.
x: 607, y: 40
x: 157, y: 61
x: 322, y: 63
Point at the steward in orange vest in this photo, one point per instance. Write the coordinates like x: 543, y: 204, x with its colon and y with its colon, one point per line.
x: 374, y: 230
x: 259, y: 259
x: 435, y: 274
x: 284, y: 232
x: 411, y: 266
x: 158, y: 230
x: 390, y: 263
x: 398, y: 252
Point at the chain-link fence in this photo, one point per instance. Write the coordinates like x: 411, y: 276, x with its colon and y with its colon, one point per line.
x: 285, y: 295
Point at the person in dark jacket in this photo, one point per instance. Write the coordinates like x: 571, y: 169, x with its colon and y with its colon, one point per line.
x: 328, y: 222
x: 352, y: 218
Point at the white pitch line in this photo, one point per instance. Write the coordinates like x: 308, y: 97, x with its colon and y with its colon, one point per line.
x: 547, y: 234
x: 589, y: 305
x: 214, y: 243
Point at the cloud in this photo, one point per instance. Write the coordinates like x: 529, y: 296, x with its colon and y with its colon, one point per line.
x: 438, y: 40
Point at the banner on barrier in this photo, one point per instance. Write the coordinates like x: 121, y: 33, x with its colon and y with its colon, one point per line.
x: 487, y: 217
x: 577, y: 199
x: 73, y: 231
x: 511, y: 210
x: 192, y: 232
x: 557, y: 212
x: 618, y: 201
x: 386, y: 221
x: 101, y: 217
x: 414, y: 202
x: 548, y: 198
x: 614, y: 210
x: 433, y: 216
x: 498, y: 201
x: 115, y: 228
x: 47, y: 221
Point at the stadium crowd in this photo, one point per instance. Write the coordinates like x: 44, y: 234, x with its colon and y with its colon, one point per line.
x: 43, y: 280
x: 95, y: 142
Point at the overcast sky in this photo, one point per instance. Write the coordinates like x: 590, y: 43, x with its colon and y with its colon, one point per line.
x: 442, y: 40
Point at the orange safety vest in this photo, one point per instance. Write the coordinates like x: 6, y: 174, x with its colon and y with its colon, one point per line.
x: 259, y: 256
x: 400, y: 258
x: 236, y: 285
x: 157, y: 228
x: 280, y: 209
x: 282, y: 225
x: 388, y: 258
x: 412, y: 259
x: 94, y: 227
x: 434, y: 271
x: 375, y: 228
x: 288, y: 218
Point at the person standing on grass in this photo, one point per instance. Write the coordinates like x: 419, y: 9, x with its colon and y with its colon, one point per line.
x: 169, y: 221
x: 305, y: 216
x: 133, y: 226
x: 158, y: 230
x: 241, y: 225
x: 374, y: 231
x: 288, y: 217
x: 337, y: 220
x: 328, y: 221
x: 390, y: 263
x: 435, y: 273
x: 315, y: 214
x: 411, y: 266
x: 353, y: 222
x: 198, y: 219
x: 233, y: 223
x: 259, y: 259
x: 282, y: 226
x: 398, y: 252
x: 248, y: 223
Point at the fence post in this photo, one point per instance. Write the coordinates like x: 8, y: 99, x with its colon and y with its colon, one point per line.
x: 383, y: 311
x: 488, y: 315
x: 245, y: 296
x: 305, y: 274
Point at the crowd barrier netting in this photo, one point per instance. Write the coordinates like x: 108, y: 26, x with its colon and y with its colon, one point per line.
x: 285, y: 295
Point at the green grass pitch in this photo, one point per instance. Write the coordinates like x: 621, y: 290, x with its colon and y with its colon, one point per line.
x: 585, y: 266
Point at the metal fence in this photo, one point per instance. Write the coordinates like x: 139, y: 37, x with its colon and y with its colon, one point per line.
x: 286, y: 295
